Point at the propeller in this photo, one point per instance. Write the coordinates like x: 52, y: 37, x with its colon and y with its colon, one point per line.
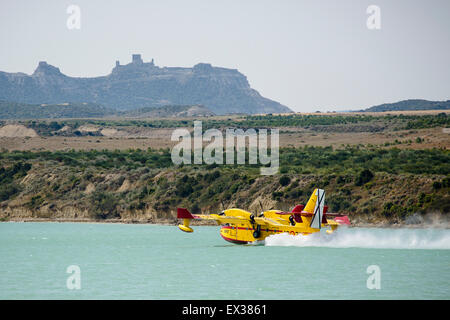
x: 291, y: 220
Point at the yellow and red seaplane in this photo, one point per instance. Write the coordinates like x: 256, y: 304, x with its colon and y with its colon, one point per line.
x: 242, y: 227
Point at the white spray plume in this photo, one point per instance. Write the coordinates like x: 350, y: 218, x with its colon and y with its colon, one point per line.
x: 368, y: 238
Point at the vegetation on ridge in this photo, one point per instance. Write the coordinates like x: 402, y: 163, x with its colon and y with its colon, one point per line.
x: 369, y: 182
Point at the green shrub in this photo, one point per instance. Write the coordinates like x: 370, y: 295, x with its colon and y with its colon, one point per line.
x: 437, y: 185
x: 104, y: 205
x: 8, y: 191
x: 364, y: 176
x: 35, y: 202
x: 195, y: 209
x: 183, y: 189
x: 295, y: 193
x: 276, y: 195
x: 284, y: 180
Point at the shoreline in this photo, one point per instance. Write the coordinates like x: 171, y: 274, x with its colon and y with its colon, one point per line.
x: 386, y: 225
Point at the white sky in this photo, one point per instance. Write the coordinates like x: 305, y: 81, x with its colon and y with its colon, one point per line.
x: 308, y: 55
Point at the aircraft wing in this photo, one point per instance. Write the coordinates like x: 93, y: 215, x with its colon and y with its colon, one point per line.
x: 270, y: 222
x: 220, y: 219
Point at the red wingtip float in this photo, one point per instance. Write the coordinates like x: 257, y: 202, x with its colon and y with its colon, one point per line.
x: 187, y: 217
x: 240, y: 226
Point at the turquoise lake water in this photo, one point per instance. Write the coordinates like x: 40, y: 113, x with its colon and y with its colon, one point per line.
x: 126, y: 261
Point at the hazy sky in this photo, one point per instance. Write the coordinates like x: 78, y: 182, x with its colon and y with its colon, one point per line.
x: 308, y: 55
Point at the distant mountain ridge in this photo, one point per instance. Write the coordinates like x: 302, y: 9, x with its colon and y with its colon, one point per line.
x: 168, y: 112
x: 141, y: 84
x: 17, y: 110
x: 411, y: 104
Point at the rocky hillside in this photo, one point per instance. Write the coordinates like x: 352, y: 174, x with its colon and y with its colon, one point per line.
x: 138, y: 85
x: 409, y: 105
x: 144, y: 186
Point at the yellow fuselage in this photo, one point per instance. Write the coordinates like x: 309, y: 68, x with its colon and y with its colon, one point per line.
x: 242, y: 233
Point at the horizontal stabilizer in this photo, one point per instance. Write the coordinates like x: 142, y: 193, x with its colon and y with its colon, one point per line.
x: 342, y: 220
